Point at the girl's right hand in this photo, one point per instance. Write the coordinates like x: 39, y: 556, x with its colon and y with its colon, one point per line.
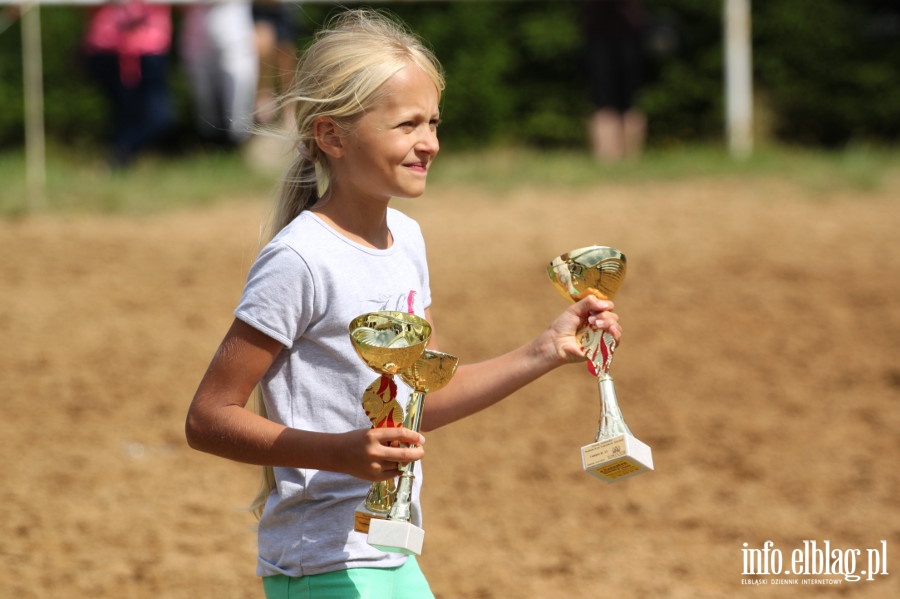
x: 375, y: 454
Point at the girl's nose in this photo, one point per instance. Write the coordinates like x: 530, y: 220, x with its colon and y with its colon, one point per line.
x: 428, y: 142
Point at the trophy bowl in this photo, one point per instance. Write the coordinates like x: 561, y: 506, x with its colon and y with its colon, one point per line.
x: 432, y: 371
x: 594, y: 270
x: 389, y: 342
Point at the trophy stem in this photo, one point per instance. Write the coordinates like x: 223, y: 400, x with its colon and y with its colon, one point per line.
x: 616, y: 454
x: 612, y: 423
x: 400, y: 510
x: 413, y: 418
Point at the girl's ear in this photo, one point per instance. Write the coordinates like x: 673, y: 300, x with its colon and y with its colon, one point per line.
x: 328, y: 136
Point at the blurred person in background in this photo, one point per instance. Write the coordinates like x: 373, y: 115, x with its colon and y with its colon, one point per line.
x: 614, y: 31
x: 126, y: 46
x: 219, y: 53
x: 276, y: 27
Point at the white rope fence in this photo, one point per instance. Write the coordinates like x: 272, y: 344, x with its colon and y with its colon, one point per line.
x: 27, y: 3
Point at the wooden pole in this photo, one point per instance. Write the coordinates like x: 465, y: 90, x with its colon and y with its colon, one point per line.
x: 32, y: 66
x: 738, y: 78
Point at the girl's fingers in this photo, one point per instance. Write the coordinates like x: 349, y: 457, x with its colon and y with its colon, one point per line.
x: 389, y: 465
x: 393, y: 446
x: 591, y: 304
x: 394, y: 436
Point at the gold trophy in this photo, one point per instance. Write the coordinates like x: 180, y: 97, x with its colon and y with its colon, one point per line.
x: 389, y: 343
x: 596, y: 270
x: 398, y: 534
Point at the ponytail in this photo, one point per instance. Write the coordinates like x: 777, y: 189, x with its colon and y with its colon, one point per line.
x: 299, y: 191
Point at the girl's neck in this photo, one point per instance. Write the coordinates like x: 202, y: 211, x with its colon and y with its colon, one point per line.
x: 365, y: 224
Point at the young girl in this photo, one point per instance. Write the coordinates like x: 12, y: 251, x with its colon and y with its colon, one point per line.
x: 366, y: 99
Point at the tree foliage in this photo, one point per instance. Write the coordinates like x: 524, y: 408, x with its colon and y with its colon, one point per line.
x: 829, y: 70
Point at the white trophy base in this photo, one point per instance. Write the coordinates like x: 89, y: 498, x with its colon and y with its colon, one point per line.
x: 394, y: 536
x: 363, y: 516
x: 618, y: 458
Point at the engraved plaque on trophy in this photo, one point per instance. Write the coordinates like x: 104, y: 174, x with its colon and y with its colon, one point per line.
x: 399, y: 533
x: 597, y: 270
x: 389, y: 343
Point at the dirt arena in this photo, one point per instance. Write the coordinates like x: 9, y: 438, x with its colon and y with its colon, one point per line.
x: 760, y: 362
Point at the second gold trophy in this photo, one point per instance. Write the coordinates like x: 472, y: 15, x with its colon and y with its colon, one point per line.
x: 599, y: 270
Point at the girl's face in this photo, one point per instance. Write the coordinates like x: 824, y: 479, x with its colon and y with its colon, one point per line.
x: 390, y: 149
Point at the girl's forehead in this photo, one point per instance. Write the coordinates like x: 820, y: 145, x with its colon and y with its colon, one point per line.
x: 412, y: 74
x: 408, y: 87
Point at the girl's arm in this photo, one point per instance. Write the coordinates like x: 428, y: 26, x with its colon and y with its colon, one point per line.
x: 218, y: 423
x: 477, y: 386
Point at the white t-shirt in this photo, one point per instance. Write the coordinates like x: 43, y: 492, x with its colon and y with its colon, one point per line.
x: 303, y: 290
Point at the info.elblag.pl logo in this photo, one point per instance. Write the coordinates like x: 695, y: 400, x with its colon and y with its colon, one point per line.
x: 813, y: 562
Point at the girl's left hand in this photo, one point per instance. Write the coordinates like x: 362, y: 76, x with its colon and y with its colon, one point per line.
x: 563, y: 331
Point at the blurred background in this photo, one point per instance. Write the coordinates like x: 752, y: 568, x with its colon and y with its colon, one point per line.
x: 825, y: 73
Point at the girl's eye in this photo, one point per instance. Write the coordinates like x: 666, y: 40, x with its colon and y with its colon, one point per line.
x: 411, y: 125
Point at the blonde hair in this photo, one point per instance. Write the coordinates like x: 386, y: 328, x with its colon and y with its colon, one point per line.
x: 339, y: 76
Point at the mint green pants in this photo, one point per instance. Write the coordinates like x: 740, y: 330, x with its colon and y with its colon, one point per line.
x: 404, y: 582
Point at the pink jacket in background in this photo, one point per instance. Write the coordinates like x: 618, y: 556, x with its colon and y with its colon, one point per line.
x: 130, y: 29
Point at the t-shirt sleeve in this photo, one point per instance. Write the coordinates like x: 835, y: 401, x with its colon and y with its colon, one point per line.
x: 279, y: 294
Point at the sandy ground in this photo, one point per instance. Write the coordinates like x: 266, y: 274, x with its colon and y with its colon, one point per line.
x: 759, y: 362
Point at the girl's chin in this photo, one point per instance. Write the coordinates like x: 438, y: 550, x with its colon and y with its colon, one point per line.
x: 410, y: 194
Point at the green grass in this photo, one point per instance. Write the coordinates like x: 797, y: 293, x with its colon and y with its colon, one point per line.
x: 80, y: 181
x: 77, y: 182
x: 858, y: 168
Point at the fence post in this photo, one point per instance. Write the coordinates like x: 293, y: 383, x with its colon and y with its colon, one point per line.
x: 738, y: 78
x: 35, y: 166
